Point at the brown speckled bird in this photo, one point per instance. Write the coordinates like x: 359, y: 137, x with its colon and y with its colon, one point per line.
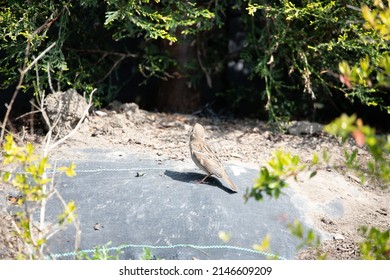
x: 205, y: 158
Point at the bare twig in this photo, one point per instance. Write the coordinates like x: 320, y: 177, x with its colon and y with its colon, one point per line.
x: 116, y: 63
x: 27, y: 114
x: 204, y: 69
x: 122, y: 56
x: 76, y: 223
x: 353, y: 8
x: 49, y: 78
x: 105, y: 53
x: 24, y: 71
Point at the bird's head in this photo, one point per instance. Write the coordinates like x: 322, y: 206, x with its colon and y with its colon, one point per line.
x: 197, y: 132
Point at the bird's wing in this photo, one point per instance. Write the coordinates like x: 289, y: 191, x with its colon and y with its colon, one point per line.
x: 206, y: 157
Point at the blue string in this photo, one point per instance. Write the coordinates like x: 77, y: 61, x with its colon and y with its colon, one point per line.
x: 72, y: 254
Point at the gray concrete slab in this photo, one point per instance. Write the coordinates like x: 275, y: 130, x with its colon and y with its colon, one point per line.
x: 167, y: 210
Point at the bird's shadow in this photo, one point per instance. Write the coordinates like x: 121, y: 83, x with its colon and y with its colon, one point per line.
x: 188, y: 177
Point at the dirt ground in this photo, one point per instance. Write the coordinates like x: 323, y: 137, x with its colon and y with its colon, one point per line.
x: 250, y: 142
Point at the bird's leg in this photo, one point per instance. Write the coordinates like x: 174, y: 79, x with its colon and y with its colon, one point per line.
x: 202, y: 181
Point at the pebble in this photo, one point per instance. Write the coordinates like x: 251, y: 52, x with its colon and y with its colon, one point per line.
x: 338, y: 236
x: 101, y: 113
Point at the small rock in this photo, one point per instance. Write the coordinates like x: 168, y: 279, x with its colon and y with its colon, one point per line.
x: 255, y: 130
x: 115, y: 105
x: 66, y: 109
x: 304, y: 127
x: 101, y: 113
x: 129, y: 107
x: 140, y: 174
x: 98, y: 226
x: 354, y: 178
x: 338, y: 236
x: 267, y: 135
x: 236, y: 155
x: 382, y: 211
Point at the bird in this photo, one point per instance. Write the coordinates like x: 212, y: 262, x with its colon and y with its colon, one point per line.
x: 205, y: 158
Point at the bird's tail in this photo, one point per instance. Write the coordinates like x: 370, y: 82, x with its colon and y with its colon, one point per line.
x: 230, y: 182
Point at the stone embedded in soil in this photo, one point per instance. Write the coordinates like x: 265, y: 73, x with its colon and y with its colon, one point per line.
x: 66, y: 109
x: 338, y: 236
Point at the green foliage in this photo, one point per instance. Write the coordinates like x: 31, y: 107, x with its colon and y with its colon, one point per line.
x: 94, y: 38
x: 272, y: 178
x: 267, y: 183
x: 264, y: 246
x: 31, y: 180
x: 293, y: 47
x: 376, y: 245
x: 308, y: 238
x: 378, y: 167
x: 147, y: 254
x: 100, y: 253
x: 289, y: 49
x: 372, y: 72
x: 25, y: 24
x: 224, y: 236
x: 163, y: 19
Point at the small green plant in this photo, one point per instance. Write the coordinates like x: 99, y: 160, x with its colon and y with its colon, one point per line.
x: 378, y: 167
x: 376, y: 245
x: 224, y: 236
x: 308, y: 238
x: 30, y: 178
x: 264, y: 246
x: 101, y: 252
x: 272, y: 178
x: 147, y: 254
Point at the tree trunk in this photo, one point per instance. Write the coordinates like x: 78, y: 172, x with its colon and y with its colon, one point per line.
x: 174, y: 95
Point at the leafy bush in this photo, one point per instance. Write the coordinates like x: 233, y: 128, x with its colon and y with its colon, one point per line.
x: 24, y: 23
x: 372, y: 72
x: 35, y: 188
x: 288, y: 48
x: 293, y: 45
x: 94, y: 38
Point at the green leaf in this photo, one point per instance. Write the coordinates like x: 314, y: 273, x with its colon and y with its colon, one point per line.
x: 6, y: 176
x: 42, y: 166
x: 69, y: 171
x: 29, y: 149
x: 344, y: 68
x: 224, y: 236
x: 314, y: 173
x: 147, y: 254
x: 265, y: 244
x: 111, y: 17
x: 315, y: 159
